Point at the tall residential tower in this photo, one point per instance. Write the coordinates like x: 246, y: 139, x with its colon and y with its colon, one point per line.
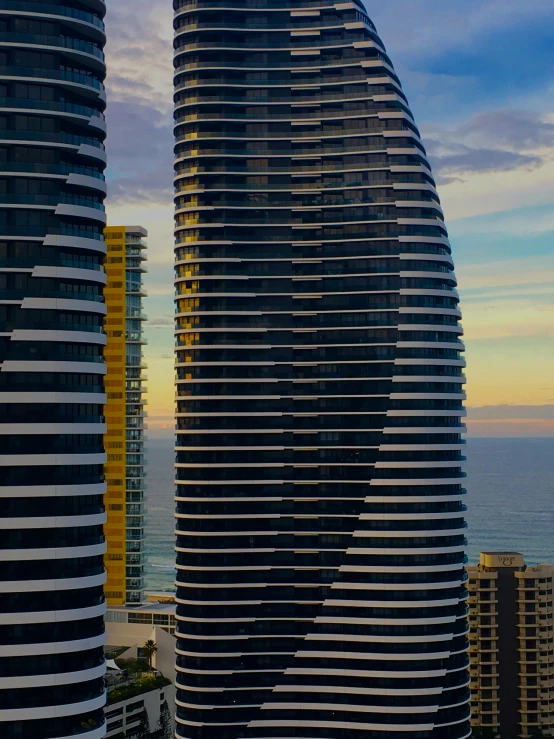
x: 52, y: 189
x: 125, y: 388
x: 512, y: 645
x: 320, y: 523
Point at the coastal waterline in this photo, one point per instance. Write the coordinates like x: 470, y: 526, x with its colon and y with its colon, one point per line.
x: 510, y: 487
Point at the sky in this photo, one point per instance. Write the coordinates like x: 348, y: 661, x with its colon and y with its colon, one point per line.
x: 480, y: 80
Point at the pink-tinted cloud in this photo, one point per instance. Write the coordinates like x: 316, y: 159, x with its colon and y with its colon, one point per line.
x: 514, y: 428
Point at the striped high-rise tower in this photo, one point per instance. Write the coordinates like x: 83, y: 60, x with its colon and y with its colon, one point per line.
x: 52, y: 188
x: 320, y: 523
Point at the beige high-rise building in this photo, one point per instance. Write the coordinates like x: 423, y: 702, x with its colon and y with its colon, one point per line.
x: 512, y: 645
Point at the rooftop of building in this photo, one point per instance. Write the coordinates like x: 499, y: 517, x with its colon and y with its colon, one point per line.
x: 491, y: 562
x: 128, y: 678
x: 136, y: 230
x: 160, y: 596
x: 503, y: 554
x: 129, y: 230
x: 148, y: 607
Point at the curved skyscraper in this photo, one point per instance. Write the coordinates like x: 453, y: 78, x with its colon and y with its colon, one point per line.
x: 320, y: 522
x: 52, y: 189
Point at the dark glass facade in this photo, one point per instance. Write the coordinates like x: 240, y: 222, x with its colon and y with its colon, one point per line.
x: 52, y: 189
x: 320, y: 516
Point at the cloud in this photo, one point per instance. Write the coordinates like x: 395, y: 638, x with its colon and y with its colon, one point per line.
x: 494, y: 154
x: 514, y: 428
x: 513, y: 129
x: 431, y: 25
x: 140, y: 100
x: 140, y: 153
x: 513, y: 421
x: 506, y: 412
x: 161, y: 428
x: 496, y: 141
x: 516, y: 272
x: 140, y: 51
x: 466, y: 161
x: 453, y: 58
x: 161, y: 322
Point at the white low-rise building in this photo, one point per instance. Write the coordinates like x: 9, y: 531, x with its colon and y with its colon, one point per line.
x: 149, y: 713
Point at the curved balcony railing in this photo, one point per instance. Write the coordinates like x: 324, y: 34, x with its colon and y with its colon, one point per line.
x: 320, y: 44
x: 315, y: 201
x: 188, y: 5
x: 54, y: 262
x: 266, y: 170
x: 381, y: 178
x: 66, y: 295
x: 48, y: 231
x: 37, y: 39
x: 327, y: 132
x: 52, y: 74
x: 232, y: 64
x: 47, y: 169
x: 42, y: 8
x: 63, y: 107
x: 325, y: 150
x: 57, y: 138
x: 312, y: 218
x: 319, y: 24
x: 49, y: 200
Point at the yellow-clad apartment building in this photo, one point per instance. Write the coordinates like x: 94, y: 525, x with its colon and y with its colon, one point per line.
x: 124, y: 441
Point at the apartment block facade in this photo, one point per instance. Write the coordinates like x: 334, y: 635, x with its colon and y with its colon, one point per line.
x: 512, y: 645
x: 125, y: 413
x: 52, y: 191
x: 321, y: 589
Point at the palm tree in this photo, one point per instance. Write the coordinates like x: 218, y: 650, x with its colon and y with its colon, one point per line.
x: 150, y: 649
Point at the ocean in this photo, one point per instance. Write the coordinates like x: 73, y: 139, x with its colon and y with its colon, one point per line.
x: 510, y: 485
